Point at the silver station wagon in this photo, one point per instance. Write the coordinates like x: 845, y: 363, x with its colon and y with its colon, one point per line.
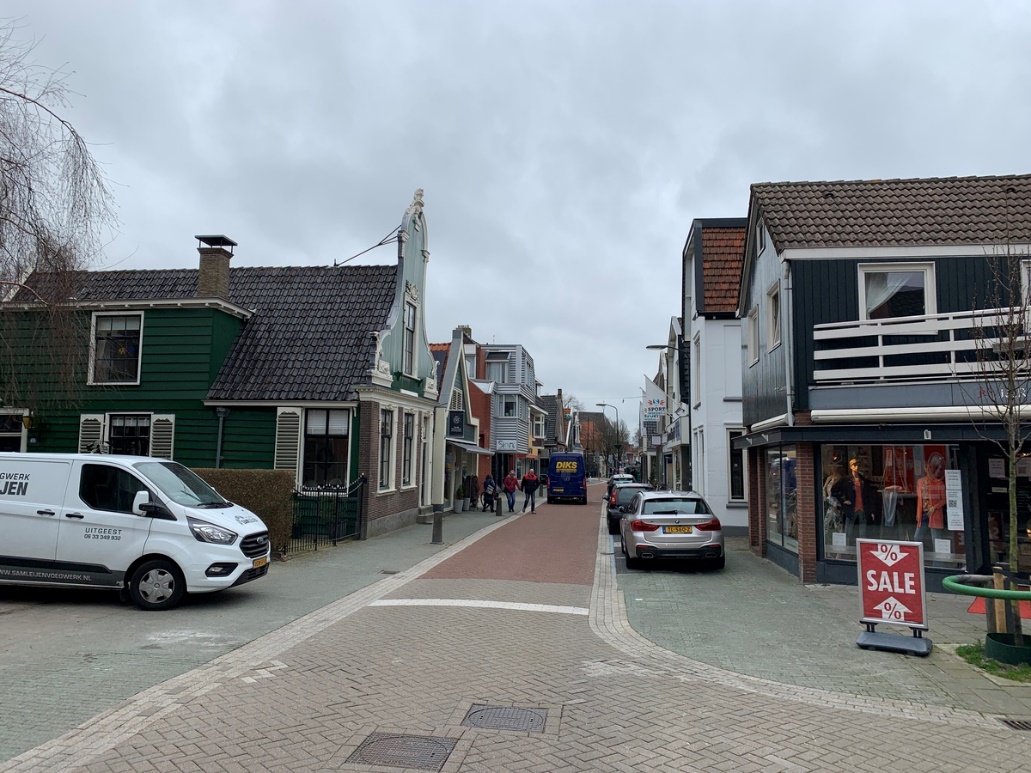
x: 670, y: 526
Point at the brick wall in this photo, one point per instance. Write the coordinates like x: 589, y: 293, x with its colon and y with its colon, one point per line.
x: 806, y: 510
x: 389, y: 504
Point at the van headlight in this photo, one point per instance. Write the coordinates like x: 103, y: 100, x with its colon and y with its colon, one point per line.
x: 209, y: 532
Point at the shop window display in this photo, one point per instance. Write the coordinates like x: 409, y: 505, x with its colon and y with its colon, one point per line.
x: 892, y: 493
x: 781, y: 487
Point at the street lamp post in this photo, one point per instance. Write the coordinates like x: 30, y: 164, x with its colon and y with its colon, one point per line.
x: 685, y: 369
x: 617, y: 445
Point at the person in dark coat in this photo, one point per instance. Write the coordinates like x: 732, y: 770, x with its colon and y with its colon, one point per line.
x: 529, y: 486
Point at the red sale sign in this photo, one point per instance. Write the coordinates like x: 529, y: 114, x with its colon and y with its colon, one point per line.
x: 891, y: 582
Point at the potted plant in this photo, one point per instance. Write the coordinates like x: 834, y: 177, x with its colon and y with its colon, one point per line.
x: 460, y: 499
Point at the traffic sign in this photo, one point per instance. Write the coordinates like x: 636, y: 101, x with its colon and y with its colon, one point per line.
x: 891, y: 582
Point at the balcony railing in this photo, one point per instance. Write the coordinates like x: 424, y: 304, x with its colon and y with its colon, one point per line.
x: 933, y: 347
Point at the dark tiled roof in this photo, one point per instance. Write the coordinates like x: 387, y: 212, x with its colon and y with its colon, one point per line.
x: 723, y: 251
x: 875, y: 213
x: 310, y: 336
x: 440, y: 354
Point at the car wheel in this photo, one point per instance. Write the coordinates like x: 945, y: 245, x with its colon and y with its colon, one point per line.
x: 631, y: 563
x: 157, y: 585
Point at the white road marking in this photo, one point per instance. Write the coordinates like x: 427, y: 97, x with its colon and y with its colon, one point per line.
x: 480, y: 604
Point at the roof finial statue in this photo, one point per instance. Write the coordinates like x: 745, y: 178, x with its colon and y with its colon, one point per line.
x: 417, y: 200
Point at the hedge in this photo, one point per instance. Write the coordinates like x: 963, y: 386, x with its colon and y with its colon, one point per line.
x: 266, y: 493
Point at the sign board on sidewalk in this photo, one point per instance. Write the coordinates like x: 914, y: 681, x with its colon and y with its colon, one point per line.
x: 891, y: 582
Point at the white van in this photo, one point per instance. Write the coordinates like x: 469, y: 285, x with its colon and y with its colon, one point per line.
x: 147, y: 525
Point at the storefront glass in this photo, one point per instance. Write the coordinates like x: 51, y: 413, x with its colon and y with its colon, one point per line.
x: 892, y: 493
x: 781, y: 487
x: 997, y: 501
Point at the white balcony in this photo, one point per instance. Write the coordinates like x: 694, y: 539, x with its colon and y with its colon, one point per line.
x: 933, y: 348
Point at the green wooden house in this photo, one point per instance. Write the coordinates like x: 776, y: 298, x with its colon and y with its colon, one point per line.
x: 322, y: 370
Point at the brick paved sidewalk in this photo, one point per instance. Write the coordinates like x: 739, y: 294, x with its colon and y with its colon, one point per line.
x: 412, y: 655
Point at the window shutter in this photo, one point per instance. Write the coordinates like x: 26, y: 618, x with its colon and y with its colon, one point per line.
x: 162, y: 435
x: 288, y: 439
x: 91, y: 433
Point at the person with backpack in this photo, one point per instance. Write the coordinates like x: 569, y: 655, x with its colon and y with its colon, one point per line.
x: 529, y: 487
x: 509, y: 486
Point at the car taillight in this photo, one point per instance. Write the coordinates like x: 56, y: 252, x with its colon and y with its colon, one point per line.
x: 713, y: 525
x: 642, y: 526
x: 612, y: 499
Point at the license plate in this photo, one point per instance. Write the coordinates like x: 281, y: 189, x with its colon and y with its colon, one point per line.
x: 677, y: 529
x: 259, y: 562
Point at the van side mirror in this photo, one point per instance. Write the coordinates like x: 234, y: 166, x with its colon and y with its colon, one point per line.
x: 141, y: 505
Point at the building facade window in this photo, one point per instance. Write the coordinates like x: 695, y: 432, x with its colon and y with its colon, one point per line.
x: 129, y: 434
x: 897, y: 493
x: 538, y: 426
x: 326, y: 448
x: 409, y: 340
x: 736, y: 466
x: 116, y: 349
x: 773, y: 316
x: 753, y: 336
x: 781, y: 497
x: 386, y: 448
x: 408, y: 449
x: 510, y: 406
x: 896, y: 290
x: 694, y: 396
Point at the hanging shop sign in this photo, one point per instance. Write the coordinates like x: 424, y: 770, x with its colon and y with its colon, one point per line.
x: 456, y: 423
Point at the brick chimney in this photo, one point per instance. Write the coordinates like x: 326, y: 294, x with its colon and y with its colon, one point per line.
x: 215, y: 253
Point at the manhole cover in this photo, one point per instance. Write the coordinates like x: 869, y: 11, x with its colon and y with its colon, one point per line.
x: 506, y: 718
x: 404, y: 751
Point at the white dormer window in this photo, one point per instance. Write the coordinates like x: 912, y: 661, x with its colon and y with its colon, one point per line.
x: 889, y: 290
x: 773, y: 316
x: 409, y: 339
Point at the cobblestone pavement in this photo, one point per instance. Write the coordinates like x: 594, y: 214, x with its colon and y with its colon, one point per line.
x: 535, y: 623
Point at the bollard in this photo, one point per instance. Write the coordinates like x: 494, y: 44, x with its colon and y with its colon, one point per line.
x: 438, y: 528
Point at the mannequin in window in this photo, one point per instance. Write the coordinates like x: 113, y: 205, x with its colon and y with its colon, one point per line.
x: 861, y: 503
x: 833, y: 491
x: 930, y: 500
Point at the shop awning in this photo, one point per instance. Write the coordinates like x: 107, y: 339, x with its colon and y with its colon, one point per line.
x: 873, y: 434
x: 469, y: 447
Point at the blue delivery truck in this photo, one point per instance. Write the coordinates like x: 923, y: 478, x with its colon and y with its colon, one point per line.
x: 567, y: 478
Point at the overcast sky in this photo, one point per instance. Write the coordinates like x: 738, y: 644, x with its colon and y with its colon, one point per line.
x: 564, y: 147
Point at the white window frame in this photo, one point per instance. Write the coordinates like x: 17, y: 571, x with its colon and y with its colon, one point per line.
x: 538, y: 426
x: 505, y: 401
x: 774, y: 317
x: 408, y: 449
x: 391, y: 450
x: 927, y: 269
x: 492, y: 370
x: 760, y: 238
x: 91, y: 380
x: 735, y: 432
x: 410, y: 322
x: 753, y: 336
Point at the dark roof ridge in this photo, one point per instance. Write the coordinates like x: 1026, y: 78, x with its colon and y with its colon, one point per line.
x: 881, y: 181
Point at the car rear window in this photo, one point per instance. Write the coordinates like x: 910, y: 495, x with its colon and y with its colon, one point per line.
x: 676, y: 505
x: 625, y: 493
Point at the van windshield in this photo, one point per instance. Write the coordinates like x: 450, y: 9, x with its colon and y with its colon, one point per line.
x: 181, y: 485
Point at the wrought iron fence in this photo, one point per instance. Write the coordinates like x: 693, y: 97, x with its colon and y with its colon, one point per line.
x: 325, y: 515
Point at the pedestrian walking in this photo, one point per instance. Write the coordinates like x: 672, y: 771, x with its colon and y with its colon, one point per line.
x: 490, y: 489
x: 509, y: 486
x: 529, y: 487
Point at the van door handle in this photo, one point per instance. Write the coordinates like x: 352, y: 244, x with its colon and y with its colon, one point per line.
x: 45, y: 512
x: 74, y: 515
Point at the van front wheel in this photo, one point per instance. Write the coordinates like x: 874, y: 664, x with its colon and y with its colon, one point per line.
x: 157, y: 584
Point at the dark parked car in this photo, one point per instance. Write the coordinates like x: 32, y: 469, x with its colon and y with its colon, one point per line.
x: 621, y: 495
x: 619, y: 478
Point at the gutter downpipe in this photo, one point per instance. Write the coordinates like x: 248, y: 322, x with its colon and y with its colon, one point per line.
x: 789, y: 361
x: 222, y: 412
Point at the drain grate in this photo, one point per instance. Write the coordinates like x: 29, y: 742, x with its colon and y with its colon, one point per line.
x: 422, y: 752
x: 1017, y: 724
x: 506, y: 718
